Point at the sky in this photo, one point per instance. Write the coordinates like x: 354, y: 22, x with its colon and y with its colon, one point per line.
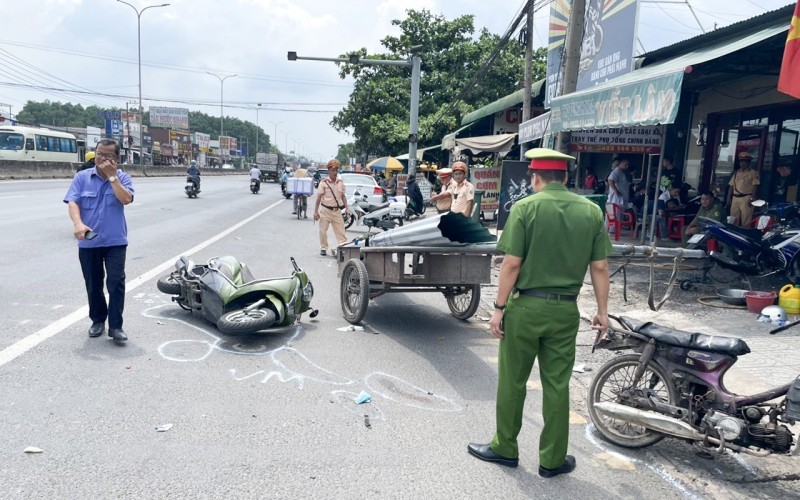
x: 90, y: 46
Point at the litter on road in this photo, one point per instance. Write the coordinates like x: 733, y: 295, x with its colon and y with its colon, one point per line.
x: 364, y: 397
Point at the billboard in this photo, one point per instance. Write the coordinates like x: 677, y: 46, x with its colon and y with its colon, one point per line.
x: 92, y: 137
x: 202, y: 140
x: 177, y: 118
x: 640, y: 140
x: 606, y: 47
x: 488, y: 181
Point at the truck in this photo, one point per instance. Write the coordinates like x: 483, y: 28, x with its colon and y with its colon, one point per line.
x: 269, y: 166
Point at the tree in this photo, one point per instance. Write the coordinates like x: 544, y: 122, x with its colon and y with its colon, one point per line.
x: 378, y: 110
x: 345, y: 152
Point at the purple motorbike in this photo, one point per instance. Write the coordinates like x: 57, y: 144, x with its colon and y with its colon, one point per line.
x: 672, y: 386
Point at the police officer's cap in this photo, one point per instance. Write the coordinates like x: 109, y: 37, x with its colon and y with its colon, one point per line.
x: 444, y: 172
x: 744, y: 155
x: 333, y: 164
x: 547, y: 159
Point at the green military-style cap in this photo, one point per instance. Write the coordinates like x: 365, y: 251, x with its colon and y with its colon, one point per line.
x: 547, y: 159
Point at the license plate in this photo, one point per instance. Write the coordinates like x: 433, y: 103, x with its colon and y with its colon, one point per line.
x: 696, y: 238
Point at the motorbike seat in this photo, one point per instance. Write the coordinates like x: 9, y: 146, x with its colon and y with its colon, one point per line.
x: 372, y: 208
x: 753, y: 234
x: 231, y: 269
x: 691, y: 340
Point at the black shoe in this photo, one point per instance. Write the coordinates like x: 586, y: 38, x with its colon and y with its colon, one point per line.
x: 97, y: 329
x: 118, y: 334
x: 484, y: 452
x: 567, y: 467
x: 323, y: 252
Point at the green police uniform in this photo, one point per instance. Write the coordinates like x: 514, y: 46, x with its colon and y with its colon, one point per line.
x: 557, y: 234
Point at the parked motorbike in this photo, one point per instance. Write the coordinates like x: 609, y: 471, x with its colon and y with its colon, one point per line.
x: 226, y: 293
x: 255, y: 186
x: 387, y: 215
x: 672, y: 386
x: 415, y: 204
x: 750, y: 252
x: 191, y: 189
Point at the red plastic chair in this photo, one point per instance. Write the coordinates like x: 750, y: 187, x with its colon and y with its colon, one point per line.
x: 619, y: 219
x: 675, y: 227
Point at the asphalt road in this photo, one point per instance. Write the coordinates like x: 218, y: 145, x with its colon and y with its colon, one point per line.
x: 264, y: 416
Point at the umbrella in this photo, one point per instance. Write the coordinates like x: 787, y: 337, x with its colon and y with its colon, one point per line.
x: 385, y: 163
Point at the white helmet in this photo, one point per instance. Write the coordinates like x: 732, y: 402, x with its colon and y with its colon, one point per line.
x: 775, y: 314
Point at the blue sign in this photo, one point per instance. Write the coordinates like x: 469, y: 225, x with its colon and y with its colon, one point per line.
x: 114, y: 129
x: 109, y: 115
x: 243, y: 150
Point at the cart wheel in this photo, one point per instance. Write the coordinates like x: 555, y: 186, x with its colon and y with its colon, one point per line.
x: 686, y: 285
x: 464, y: 305
x: 354, y: 291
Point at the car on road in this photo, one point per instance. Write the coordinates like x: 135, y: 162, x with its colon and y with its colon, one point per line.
x: 366, y: 185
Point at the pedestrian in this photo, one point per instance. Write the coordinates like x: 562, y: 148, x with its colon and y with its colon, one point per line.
x: 444, y: 198
x: 96, y: 200
x: 619, y: 183
x: 743, y: 186
x: 88, y: 161
x: 463, y: 191
x: 549, y: 241
x: 331, y: 202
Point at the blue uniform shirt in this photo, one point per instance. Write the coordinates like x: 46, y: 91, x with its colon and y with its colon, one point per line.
x: 100, y: 208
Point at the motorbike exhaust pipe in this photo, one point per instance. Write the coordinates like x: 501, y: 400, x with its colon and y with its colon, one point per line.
x: 314, y: 313
x: 666, y: 425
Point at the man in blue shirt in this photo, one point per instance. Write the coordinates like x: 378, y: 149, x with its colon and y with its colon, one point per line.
x: 96, y: 200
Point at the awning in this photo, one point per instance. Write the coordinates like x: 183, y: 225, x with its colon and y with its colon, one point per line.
x: 487, y: 144
x: 501, y: 104
x: 420, y: 152
x: 449, y: 141
x: 648, y: 96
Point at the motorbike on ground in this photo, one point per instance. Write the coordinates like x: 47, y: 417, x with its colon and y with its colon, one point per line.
x: 255, y: 186
x: 672, y: 386
x: 226, y: 294
x: 751, y: 252
x: 190, y: 188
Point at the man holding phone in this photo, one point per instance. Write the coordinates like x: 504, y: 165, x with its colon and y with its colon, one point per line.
x: 96, y: 200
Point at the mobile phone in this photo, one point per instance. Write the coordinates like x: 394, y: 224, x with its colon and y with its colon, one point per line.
x: 90, y: 235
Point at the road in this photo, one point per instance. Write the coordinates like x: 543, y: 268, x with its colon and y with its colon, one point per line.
x: 262, y: 416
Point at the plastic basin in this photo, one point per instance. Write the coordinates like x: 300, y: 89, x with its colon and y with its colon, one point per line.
x: 756, y: 301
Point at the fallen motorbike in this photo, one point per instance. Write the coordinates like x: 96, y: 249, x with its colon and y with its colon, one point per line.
x: 672, y: 386
x: 226, y: 293
x: 750, y: 252
x: 255, y: 186
x: 191, y: 189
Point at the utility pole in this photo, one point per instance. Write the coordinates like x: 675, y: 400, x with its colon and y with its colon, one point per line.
x: 526, y: 99
x: 571, y: 57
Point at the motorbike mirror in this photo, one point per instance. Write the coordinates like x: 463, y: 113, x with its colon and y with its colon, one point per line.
x: 758, y: 203
x: 294, y: 264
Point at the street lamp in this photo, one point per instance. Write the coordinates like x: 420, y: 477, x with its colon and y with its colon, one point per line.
x: 275, y: 137
x: 285, y: 142
x: 139, y: 40
x: 414, y: 63
x: 221, y: 87
x: 258, y: 108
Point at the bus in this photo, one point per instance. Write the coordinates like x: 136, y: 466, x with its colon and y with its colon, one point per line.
x: 37, y: 144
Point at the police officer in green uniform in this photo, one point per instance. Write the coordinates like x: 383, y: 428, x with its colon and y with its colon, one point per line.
x: 549, y: 241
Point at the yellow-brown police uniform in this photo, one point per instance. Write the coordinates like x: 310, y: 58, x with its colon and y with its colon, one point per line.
x: 557, y: 234
x: 744, y: 184
x: 332, y: 196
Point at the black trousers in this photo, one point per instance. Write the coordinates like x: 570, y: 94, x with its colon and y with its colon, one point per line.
x: 95, y: 264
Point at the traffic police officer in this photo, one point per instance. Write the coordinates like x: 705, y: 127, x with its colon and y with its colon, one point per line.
x: 743, y: 186
x: 549, y: 241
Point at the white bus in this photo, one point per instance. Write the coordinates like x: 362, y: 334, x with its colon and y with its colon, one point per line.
x: 37, y: 144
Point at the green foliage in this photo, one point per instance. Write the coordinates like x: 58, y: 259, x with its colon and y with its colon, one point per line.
x: 378, y: 110
x: 345, y: 152
x: 72, y: 115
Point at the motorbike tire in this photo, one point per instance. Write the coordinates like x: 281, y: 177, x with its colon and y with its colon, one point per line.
x: 620, y: 370
x: 238, y: 322
x: 287, y: 195
x: 464, y: 305
x: 348, y: 221
x: 399, y: 221
x: 354, y: 291
x: 169, y: 285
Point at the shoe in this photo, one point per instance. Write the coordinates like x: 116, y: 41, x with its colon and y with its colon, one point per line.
x: 484, y: 452
x: 118, y: 334
x: 567, y: 467
x: 97, y: 329
x: 294, y: 213
x: 323, y: 252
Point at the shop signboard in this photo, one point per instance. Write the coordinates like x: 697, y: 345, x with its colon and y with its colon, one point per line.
x: 224, y: 143
x: 92, y: 137
x: 488, y: 181
x: 114, y: 129
x: 638, y: 140
x: 606, y: 47
x: 535, y: 128
x: 202, y: 140
x: 175, y: 118
x: 232, y: 146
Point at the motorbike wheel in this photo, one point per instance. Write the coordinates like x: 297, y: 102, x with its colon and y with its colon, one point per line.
x: 239, y: 322
x: 614, y: 378
x: 399, y: 221
x: 169, y: 285
x: 348, y: 221
x: 354, y: 291
x: 464, y: 305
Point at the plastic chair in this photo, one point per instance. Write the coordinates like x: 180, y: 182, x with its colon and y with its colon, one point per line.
x: 675, y: 227
x: 619, y: 219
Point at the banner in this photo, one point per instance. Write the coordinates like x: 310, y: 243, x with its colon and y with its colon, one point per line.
x: 515, y: 184
x: 92, y: 137
x: 641, y: 140
x: 607, y: 44
x: 789, y: 80
x: 177, y: 118
x: 488, y: 181
x: 202, y: 140
x: 535, y: 128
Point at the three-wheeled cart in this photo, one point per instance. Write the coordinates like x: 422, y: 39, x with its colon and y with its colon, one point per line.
x: 455, y: 271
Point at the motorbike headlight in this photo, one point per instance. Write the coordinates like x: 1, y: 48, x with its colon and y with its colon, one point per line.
x: 308, y: 292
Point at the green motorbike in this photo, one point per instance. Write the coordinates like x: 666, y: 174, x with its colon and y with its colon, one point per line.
x: 226, y: 293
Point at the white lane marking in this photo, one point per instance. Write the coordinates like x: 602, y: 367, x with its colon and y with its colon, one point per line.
x: 58, y: 306
x: 24, y: 322
x: 24, y: 345
x: 14, y: 196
